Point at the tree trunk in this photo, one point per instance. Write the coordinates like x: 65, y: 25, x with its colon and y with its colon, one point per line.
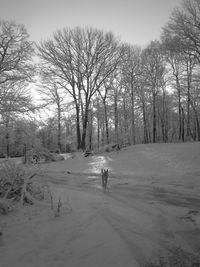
x: 189, y: 77
x: 116, y: 118
x: 7, y: 145
x: 183, y: 126
x: 198, y: 127
x: 179, y: 107
x: 124, y: 128
x: 103, y: 134
x: 7, y: 138
x: 164, y: 118
x: 85, y: 124
x: 59, y: 128
x: 90, y: 132
x: 146, y: 138
x: 98, y: 124
x: 106, y: 121
x: 132, y: 116
x: 154, y: 118
x: 78, y: 130
x: 197, y: 121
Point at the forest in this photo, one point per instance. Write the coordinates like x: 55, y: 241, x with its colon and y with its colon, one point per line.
x: 83, y: 88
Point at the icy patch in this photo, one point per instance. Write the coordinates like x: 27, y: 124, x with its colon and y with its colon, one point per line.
x: 109, y: 159
x: 66, y: 155
x: 98, y: 163
x: 93, y: 177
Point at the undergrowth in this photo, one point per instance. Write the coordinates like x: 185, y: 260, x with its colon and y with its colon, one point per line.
x: 175, y: 258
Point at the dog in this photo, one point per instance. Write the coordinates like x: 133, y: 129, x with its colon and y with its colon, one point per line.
x: 104, y: 176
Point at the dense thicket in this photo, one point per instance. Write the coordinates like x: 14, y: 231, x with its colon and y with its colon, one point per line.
x: 102, y: 91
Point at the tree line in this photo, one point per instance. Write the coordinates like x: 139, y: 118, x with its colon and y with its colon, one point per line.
x: 99, y: 89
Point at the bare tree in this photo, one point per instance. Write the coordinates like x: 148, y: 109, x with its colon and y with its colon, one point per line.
x: 15, y: 52
x: 195, y: 104
x: 182, y: 43
x: 184, y: 26
x: 154, y: 70
x: 104, y: 94
x: 16, y: 68
x: 53, y: 96
x: 80, y: 60
x: 130, y: 72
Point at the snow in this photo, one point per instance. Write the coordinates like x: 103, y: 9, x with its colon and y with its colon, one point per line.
x: 151, y: 207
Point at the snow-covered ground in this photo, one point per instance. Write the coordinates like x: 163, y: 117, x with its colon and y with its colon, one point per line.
x: 151, y: 207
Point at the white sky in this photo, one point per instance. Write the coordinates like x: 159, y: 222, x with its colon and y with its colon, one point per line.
x: 136, y: 21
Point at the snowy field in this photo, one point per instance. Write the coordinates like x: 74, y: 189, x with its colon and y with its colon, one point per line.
x: 150, y: 209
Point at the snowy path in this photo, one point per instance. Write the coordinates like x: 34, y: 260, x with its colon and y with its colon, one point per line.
x: 143, y: 215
